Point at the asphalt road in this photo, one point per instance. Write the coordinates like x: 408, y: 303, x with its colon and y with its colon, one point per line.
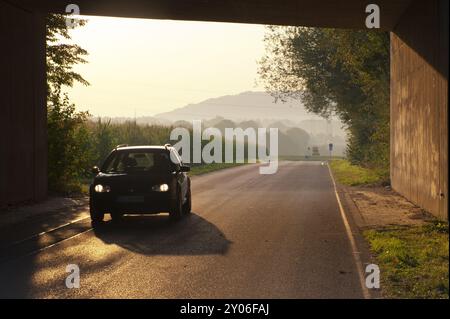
x: 249, y: 236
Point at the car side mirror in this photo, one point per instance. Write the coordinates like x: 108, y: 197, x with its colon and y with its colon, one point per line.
x: 95, y: 170
x: 184, y: 168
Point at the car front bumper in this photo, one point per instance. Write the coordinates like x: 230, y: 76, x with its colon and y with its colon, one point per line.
x: 152, y: 203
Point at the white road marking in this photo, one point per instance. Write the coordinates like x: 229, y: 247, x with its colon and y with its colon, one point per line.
x: 351, y: 238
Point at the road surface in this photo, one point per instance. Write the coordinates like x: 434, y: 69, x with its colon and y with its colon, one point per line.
x: 249, y: 236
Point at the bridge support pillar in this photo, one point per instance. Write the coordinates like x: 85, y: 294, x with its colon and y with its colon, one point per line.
x: 23, y: 113
x: 419, y: 105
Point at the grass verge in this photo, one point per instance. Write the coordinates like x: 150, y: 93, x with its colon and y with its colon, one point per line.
x: 413, y: 261
x: 353, y: 175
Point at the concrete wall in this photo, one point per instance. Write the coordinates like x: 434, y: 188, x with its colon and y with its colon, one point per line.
x: 419, y: 106
x: 23, y: 138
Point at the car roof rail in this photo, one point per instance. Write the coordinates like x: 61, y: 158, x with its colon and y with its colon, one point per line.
x: 167, y: 145
x: 121, y: 145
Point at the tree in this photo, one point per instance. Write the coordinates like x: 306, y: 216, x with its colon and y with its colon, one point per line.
x: 342, y: 72
x: 61, y: 57
x: 68, y: 142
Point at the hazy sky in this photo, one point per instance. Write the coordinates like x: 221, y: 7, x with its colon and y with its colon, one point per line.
x: 152, y: 66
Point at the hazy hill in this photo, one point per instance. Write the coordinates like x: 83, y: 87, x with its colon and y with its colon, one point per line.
x: 239, y: 107
x: 298, y: 129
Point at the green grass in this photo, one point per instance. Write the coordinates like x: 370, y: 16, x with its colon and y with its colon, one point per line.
x: 353, y: 175
x: 207, y: 168
x: 413, y: 261
x: 85, y: 188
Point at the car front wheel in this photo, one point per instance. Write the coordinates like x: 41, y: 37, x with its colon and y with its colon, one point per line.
x: 177, y: 208
x: 96, y: 215
x: 187, y: 207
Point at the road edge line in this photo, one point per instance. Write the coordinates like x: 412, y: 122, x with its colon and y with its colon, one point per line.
x: 351, y: 238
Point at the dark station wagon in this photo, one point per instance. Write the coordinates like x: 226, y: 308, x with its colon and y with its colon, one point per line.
x: 140, y: 180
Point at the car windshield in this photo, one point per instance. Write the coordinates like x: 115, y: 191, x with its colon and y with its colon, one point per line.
x: 137, y: 161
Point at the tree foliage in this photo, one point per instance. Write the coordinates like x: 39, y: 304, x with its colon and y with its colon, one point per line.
x: 61, y: 57
x: 342, y: 72
x: 68, y: 151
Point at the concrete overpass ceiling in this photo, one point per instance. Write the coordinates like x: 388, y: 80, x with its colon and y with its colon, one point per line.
x: 313, y: 13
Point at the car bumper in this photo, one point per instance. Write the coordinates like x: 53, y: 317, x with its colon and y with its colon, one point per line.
x: 136, y: 203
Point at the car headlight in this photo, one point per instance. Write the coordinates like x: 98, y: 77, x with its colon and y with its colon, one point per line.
x: 160, y: 188
x: 99, y: 188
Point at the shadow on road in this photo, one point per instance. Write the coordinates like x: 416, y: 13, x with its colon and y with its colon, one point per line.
x: 152, y: 235
x: 158, y: 235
